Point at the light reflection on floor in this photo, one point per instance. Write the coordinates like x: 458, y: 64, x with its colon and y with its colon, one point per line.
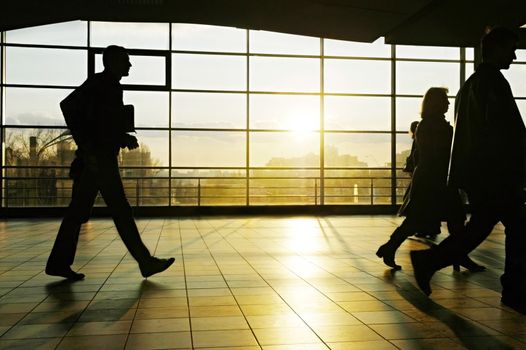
x: 247, y: 283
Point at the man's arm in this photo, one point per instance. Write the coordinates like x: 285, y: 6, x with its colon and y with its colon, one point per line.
x: 129, y: 141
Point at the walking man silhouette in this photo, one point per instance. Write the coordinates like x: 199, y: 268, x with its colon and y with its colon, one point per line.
x: 488, y: 162
x: 94, y: 113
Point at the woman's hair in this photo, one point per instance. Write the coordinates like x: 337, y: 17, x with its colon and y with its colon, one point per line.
x: 433, y: 102
x: 413, y: 126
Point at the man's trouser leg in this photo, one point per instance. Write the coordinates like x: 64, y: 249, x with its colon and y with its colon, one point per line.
x: 456, y: 246
x: 514, y: 278
x: 112, y: 190
x: 82, y: 198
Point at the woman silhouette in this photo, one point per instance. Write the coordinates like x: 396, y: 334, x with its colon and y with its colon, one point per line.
x: 410, y: 164
x: 430, y: 200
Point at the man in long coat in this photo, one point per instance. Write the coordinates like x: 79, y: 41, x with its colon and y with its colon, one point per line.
x: 488, y: 162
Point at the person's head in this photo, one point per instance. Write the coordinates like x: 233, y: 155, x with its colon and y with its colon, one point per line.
x: 116, y: 61
x: 435, y: 102
x: 412, y: 128
x: 498, y: 47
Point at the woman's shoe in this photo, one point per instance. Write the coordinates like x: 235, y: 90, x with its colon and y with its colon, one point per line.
x: 388, y: 255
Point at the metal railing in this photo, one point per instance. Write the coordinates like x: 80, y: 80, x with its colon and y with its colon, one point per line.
x: 34, y: 191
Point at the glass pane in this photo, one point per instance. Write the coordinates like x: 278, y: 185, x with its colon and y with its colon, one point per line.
x: 403, y: 148
x: 356, y: 49
x: 211, y: 190
x: 357, y: 113
x: 470, y: 69
x: 222, y: 191
x: 36, y: 147
x: 284, y: 191
x: 287, y: 149
x: 145, y: 70
x: 208, y: 148
x: 470, y: 54
x: 284, y: 74
x: 357, y: 76
x: 516, y: 76
x: 521, y: 55
x: 55, y: 66
x: 130, y: 35
x: 43, y: 187
x: 408, y: 110
x: 262, y: 173
x: 417, y: 77
x: 208, y: 72
x: 152, y: 152
x: 290, y: 112
x: 31, y: 106
x: 281, y: 43
x: 204, y: 172
x: 184, y: 191
x: 146, y: 191
x: 151, y: 107
x: 198, y: 37
x: 357, y: 150
x: 73, y: 33
x: 522, y: 108
x: 208, y: 110
x: 428, y: 52
x: 358, y: 186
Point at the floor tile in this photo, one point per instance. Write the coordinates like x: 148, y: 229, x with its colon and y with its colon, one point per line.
x: 93, y: 342
x: 34, y: 344
x: 363, y: 345
x: 224, y: 338
x: 172, y: 340
x: 346, y: 333
x: 285, y: 336
x: 100, y: 328
x: 219, y: 323
x: 247, y: 283
x: 37, y: 331
x: 160, y: 325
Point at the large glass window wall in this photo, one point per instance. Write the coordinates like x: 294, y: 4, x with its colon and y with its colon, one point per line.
x: 225, y: 116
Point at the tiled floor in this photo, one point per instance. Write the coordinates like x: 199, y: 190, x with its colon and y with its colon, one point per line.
x: 267, y: 283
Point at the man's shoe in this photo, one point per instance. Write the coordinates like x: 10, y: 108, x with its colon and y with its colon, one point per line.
x: 67, y: 273
x: 155, y: 265
x: 422, y: 270
x: 472, y: 266
x: 516, y: 304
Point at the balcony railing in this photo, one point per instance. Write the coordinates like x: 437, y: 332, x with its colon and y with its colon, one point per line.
x: 35, y: 191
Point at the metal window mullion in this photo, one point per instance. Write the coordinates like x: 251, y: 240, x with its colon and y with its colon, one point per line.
x: 88, y: 34
x: 2, y: 131
x: 247, y: 126
x: 169, y: 85
x: 393, y: 125
x: 462, y: 65
x: 322, y: 123
x: 91, y: 56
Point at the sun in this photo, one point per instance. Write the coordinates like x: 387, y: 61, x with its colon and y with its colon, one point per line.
x: 301, y: 123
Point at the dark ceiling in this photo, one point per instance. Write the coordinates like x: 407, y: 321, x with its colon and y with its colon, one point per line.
x: 415, y: 22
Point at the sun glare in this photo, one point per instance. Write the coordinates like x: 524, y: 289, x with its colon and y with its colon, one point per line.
x: 301, y: 123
